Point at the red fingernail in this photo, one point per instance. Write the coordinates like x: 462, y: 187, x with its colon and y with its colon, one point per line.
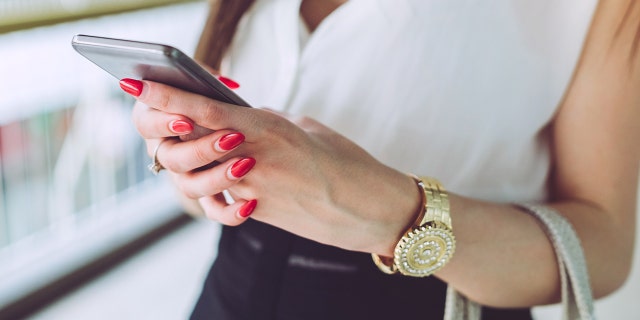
x: 180, y: 126
x: 230, y: 141
x: 132, y: 86
x: 247, y: 208
x: 242, y: 166
x: 228, y: 82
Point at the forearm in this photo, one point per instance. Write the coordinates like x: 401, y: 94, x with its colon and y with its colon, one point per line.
x: 503, y: 257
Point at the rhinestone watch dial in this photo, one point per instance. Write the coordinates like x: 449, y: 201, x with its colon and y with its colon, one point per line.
x: 424, y: 251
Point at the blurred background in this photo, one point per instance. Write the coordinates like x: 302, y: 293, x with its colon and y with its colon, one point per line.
x: 76, y: 198
x: 86, y: 232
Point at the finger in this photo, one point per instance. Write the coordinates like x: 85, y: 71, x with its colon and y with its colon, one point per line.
x: 153, y: 149
x: 232, y: 215
x: 182, y: 157
x: 230, y: 83
x: 209, y: 113
x: 214, y: 180
x: 152, y: 123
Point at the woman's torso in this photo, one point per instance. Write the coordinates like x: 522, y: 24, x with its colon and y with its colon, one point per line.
x: 459, y: 90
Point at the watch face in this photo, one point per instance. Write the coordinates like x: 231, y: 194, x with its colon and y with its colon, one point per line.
x: 424, y: 251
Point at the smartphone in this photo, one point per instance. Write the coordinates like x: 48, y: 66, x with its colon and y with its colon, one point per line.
x: 152, y: 61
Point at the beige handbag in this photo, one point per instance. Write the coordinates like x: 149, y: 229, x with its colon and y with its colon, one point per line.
x: 577, y: 300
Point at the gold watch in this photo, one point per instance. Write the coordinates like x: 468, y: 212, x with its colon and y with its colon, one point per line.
x: 429, y: 243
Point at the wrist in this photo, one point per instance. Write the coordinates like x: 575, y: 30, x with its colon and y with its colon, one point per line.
x: 428, y: 244
x: 405, y: 208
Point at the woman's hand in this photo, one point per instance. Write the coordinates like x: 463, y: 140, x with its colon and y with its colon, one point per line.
x: 293, y: 173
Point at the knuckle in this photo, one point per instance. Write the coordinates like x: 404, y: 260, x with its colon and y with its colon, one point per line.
x: 168, y: 163
x: 201, y: 153
x: 212, y: 110
x: 183, y: 188
x: 189, y: 193
x: 171, y: 166
x: 164, y: 100
x: 270, y: 125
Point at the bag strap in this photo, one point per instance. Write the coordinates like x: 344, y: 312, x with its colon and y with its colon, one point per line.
x: 458, y: 307
x: 577, y: 299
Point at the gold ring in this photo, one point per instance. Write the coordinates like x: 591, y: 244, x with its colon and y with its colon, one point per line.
x: 155, y: 167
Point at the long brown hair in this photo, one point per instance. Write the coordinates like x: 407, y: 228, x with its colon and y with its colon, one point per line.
x: 221, y: 25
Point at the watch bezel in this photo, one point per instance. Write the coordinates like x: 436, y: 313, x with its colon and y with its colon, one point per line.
x: 435, y: 242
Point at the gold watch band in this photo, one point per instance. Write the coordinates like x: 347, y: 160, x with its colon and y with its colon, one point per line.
x: 428, y: 243
x: 437, y: 203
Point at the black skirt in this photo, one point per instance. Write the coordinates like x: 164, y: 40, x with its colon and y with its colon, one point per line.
x: 264, y: 273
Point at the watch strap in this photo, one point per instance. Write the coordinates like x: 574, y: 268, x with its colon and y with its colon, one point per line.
x: 437, y: 208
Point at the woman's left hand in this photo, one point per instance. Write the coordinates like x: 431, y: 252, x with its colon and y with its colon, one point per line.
x: 307, y: 178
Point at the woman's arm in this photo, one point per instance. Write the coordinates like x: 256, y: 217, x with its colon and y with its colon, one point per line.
x: 503, y: 257
x: 315, y: 183
x: 597, y: 141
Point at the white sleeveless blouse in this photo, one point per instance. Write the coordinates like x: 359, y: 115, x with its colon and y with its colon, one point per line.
x: 460, y: 90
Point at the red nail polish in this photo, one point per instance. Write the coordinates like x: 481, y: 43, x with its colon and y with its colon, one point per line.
x: 242, y: 167
x: 132, y: 86
x: 180, y: 127
x: 230, y: 141
x: 228, y: 82
x: 247, y: 208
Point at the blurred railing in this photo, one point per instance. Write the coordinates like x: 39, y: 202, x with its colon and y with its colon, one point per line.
x: 73, y: 177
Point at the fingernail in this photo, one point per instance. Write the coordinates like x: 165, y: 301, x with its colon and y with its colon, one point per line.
x: 180, y: 126
x: 228, y: 82
x: 247, y: 208
x: 242, y: 167
x: 132, y: 86
x: 229, y: 141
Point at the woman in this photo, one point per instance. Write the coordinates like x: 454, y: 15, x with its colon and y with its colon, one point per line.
x: 503, y: 103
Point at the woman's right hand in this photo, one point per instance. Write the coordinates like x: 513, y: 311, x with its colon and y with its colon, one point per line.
x: 308, y: 179
x: 185, y: 130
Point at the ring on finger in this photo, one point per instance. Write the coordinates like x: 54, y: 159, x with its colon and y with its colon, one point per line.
x: 155, y: 167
